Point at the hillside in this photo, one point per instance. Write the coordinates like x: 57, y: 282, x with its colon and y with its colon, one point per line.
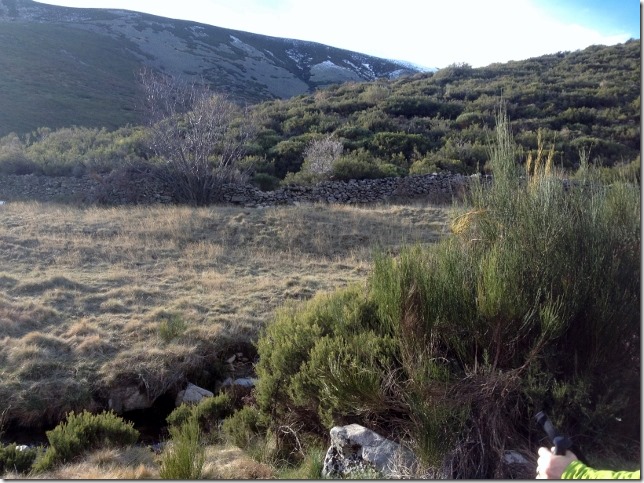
x: 67, y: 66
x: 583, y: 101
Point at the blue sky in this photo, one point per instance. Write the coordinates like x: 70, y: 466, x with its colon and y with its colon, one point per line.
x: 430, y: 33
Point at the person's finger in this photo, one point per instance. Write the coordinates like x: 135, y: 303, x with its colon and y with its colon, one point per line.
x: 544, y: 451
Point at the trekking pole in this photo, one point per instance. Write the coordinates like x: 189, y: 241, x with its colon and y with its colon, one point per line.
x: 562, y: 443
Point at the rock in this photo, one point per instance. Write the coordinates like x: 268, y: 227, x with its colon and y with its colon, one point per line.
x: 358, y: 452
x: 517, y: 466
x: 128, y: 398
x: 514, y: 458
x: 240, y: 381
x: 192, y: 395
x: 158, y: 448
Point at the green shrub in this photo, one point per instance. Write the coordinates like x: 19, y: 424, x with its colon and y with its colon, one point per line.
x: 184, y: 456
x: 424, y: 166
x: 78, y: 150
x: 265, y: 182
x: 180, y: 415
x: 289, y: 154
x: 213, y: 409
x: 351, y: 167
x: 625, y: 172
x: 389, y: 143
x: 83, y: 432
x: 12, y: 459
x: 303, y: 177
x: 208, y: 412
x: 245, y: 427
x: 17, y: 164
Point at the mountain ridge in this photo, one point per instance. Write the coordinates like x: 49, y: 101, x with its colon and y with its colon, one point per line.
x: 250, y: 67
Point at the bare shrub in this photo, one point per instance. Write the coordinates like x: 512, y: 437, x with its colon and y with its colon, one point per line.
x: 320, y: 154
x: 198, y: 136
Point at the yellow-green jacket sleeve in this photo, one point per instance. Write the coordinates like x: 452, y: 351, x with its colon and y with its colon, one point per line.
x: 577, y: 470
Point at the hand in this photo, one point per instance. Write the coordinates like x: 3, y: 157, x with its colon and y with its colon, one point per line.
x: 551, y: 466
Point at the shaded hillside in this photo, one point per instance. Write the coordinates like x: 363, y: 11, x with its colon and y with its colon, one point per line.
x: 76, y: 79
x: 587, y: 101
x: 66, y: 66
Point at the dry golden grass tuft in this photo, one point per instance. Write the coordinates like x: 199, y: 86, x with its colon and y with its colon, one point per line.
x: 92, y: 298
x: 137, y: 462
x: 228, y: 462
x: 132, y: 463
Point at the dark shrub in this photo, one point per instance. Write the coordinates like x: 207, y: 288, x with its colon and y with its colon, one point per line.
x: 265, y: 182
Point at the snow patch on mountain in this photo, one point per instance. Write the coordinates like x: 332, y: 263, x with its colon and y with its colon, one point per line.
x: 415, y: 67
x: 327, y: 71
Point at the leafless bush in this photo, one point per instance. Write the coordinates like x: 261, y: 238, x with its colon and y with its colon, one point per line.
x: 320, y: 154
x: 198, y: 136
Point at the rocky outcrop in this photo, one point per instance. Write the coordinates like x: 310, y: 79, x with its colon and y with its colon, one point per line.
x: 358, y: 452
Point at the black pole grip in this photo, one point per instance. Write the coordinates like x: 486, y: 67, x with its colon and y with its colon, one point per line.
x: 561, y: 443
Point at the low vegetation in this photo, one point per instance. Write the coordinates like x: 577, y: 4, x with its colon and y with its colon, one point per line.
x: 16, y: 460
x: 208, y: 413
x: 184, y: 457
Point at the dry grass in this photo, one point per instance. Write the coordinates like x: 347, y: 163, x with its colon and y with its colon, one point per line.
x: 85, y: 292
x: 229, y: 462
x: 137, y: 462
x: 132, y: 463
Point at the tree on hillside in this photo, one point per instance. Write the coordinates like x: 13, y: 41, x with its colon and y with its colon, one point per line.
x: 198, y: 136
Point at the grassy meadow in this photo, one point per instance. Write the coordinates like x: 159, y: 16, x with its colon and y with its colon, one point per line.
x: 95, y: 298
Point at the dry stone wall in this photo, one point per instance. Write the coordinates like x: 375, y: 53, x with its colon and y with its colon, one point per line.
x: 138, y: 189
x: 438, y: 187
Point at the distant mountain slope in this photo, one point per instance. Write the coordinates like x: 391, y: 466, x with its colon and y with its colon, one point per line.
x: 61, y: 66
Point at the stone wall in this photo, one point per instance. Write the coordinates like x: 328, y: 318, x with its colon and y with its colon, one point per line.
x: 138, y: 189
x: 434, y: 187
